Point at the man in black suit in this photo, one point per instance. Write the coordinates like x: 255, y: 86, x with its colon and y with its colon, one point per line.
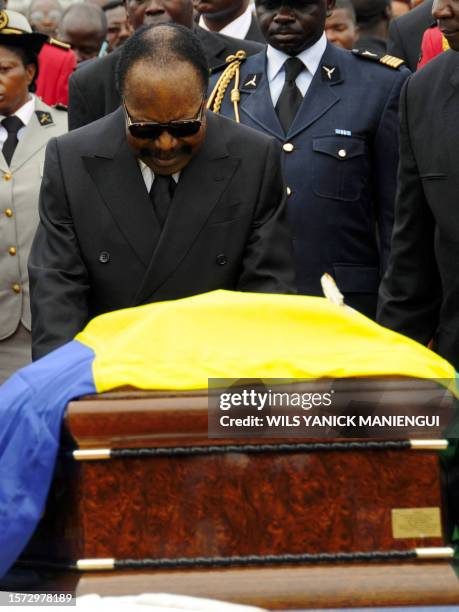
x: 157, y: 201
x: 92, y: 87
x: 406, y: 32
x: 419, y: 296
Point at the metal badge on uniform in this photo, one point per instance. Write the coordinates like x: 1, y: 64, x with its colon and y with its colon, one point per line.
x: 331, y: 74
x: 343, y: 132
x: 251, y: 81
x: 44, y: 118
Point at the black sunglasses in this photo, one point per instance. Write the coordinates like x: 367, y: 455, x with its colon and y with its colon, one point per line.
x: 151, y: 130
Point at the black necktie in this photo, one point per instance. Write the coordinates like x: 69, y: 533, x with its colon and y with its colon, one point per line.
x: 12, y: 125
x: 161, y: 194
x: 290, y: 99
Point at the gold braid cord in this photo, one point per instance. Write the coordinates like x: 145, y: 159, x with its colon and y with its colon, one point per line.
x: 218, y: 93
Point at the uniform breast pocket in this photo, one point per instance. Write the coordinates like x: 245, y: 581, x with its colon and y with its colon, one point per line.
x: 339, y: 167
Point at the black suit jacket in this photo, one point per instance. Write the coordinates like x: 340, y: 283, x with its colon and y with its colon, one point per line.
x: 99, y: 246
x: 92, y: 87
x: 419, y: 295
x: 255, y: 32
x: 406, y: 32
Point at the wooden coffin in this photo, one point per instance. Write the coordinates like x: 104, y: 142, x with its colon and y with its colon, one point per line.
x: 171, y: 497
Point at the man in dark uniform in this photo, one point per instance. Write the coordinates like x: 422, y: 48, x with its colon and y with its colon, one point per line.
x: 420, y: 294
x: 92, y: 91
x: 335, y: 114
x: 406, y: 32
x: 157, y: 201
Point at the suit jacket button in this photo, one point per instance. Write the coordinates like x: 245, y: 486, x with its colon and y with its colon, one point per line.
x: 221, y: 259
x: 288, y: 147
x: 104, y: 257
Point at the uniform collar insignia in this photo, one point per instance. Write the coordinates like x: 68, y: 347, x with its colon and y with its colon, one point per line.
x: 330, y: 74
x: 44, y: 118
x: 251, y: 81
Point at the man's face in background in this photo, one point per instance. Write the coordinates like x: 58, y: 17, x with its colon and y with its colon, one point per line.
x: 341, y: 29
x: 292, y: 25
x: 149, y: 12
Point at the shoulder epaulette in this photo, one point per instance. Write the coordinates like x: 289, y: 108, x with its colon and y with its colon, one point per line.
x: 59, y: 43
x: 386, y: 60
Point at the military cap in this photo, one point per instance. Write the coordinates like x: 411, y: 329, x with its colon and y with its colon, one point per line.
x: 15, y: 31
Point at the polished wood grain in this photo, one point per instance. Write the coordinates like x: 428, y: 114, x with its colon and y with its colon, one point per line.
x: 280, y: 588
x: 232, y: 504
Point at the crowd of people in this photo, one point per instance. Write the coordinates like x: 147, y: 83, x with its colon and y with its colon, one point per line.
x: 180, y: 147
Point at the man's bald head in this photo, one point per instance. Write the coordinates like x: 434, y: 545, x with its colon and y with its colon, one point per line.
x: 84, y: 27
x: 160, y: 48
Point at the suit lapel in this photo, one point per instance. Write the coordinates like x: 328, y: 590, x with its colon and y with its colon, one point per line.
x: 258, y: 105
x: 117, y: 177
x: 199, y: 189
x: 35, y: 138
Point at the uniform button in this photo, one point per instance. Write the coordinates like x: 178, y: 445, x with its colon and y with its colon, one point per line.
x: 289, y: 191
x: 104, y: 257
x: 221, y: 259
x: 12, y: 251
x: 17, y: 288
x: 8, y: 212
x: 342, y: 153
x: 288, y: 147
x: 7, y: 176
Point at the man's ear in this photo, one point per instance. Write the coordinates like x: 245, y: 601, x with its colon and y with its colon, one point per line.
x: 31, y: 70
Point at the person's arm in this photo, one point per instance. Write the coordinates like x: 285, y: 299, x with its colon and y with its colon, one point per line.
x: 267, y: 266
x: 59, y: 284
x: 410, y: 294
x: 385, y: 157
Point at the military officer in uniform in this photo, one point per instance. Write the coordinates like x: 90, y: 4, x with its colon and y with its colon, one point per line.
x: 26, y: 125
x: 334, y: 112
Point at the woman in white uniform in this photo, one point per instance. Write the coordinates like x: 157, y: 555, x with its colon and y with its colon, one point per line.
x: 26, y: 125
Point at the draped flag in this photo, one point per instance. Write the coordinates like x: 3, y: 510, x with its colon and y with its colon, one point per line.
x: 180, y: 345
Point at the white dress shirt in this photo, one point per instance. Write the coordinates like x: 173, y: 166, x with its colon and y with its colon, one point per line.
x: 149, y: 176
x: 310, y: 57
x: 25, y: 115
x: 238, y: 28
